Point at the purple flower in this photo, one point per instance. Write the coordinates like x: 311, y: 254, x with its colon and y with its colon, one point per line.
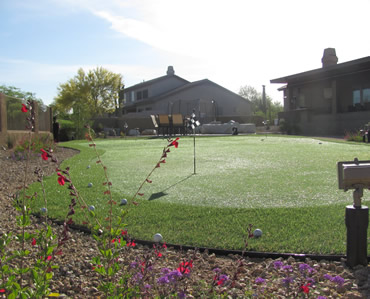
x: 288, y: 280
x: 338, y: 280
x: 163, y: 280
x: 137, y: 277
x: 321, y: 297
x: 288, y: 268
x: 327, y: 276
x: 175, y: 274
x: 148, y: 286
x: 278, y: 264
x: 133, y: 265
x: 217, y: 270
x: 165, y: 270
x: 181, y: 295
x: 260, y: 280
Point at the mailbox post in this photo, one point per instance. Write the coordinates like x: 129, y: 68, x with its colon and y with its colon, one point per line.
x: 355, y: 175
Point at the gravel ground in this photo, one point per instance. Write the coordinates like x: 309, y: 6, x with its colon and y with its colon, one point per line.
x: 75, y: 278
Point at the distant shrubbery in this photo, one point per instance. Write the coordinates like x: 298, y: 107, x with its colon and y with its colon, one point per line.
x: 353, y: 136
x: 289, y: 128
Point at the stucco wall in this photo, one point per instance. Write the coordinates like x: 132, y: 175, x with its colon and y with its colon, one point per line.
x: 200, y: 97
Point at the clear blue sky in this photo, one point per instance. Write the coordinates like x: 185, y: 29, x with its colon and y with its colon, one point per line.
x: 233, y: 43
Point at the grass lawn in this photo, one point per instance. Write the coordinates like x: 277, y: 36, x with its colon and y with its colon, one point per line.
x: 285, y: 186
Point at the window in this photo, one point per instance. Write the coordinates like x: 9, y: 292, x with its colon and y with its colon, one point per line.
x: 145, y: 94
x: 366, y: 95
x: 139, y: 95
x: 356, y: 96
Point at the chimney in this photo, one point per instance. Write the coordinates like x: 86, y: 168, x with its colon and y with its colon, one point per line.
x: 329, y: 58
x: 170, y: 71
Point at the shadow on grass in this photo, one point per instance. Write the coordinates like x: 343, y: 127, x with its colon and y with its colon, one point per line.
x: 163, y: 193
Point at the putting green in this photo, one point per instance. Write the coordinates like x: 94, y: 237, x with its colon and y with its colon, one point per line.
x: 233, y: 171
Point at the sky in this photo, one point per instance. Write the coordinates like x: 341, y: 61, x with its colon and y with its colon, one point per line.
x: 232, y: 43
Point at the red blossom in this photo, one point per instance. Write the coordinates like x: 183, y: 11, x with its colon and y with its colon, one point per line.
x: 61, y: 179
x: 44, y: 155
x: 175, y: 143
x: 131, y: 244
x: 185, y: 267
x: 33, y: 242
x: 220, y: 282
x: 48, y: 258
x: 124, y: 232
x: 2, y: 290
x: 164, y: 245
x: 305, y: 288
x: 24, y: 108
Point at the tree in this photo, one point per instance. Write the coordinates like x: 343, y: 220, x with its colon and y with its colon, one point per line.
x: 258, y: 109
x: 14, y: 99
x: 88, y: 95
x: 96, y: 92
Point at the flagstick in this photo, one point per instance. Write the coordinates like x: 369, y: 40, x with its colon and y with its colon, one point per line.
x: 194, y: 149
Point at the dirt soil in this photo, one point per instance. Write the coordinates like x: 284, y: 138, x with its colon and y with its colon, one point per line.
x: 75, y: 278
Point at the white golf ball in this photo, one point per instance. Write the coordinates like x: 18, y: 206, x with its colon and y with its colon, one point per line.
x: 91, y: 208
x: 43, y: 210
x: 88, y: 166
x: 90, y: 185
x: 157, y: 238
x: 257, y: 233
x: 123, y: 202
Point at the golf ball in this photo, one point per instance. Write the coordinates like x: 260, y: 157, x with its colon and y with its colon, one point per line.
x: 90, y: 185
x: 88, y: 166
x: 257, y: 233
x: 43, y: 210
x: 91, y: 208
x: 123, y: 202
x: 157, y: 238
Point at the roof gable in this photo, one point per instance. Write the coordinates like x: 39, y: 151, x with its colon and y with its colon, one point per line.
x: 353, y: 66
x: 154, y: 81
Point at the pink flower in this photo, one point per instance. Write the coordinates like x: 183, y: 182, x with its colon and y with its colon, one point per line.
x: 24, y: 108
x: 2, y: 290
x: 33, y: 242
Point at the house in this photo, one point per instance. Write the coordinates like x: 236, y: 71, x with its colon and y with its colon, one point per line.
x: 328, y: 101
x: 171, y: 94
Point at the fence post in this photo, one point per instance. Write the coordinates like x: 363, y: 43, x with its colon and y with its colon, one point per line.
x: 3, y: 120
x: 36, y: 110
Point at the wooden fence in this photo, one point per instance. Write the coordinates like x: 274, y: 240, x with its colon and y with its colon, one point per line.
x: 10, y: 136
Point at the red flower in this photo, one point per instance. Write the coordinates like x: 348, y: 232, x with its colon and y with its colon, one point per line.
x: 61, y: 179
x: 2, y: 290
x: 24, y: 108
x: 164, y: 245
x: 175, y: 143
x: 184, y: 267
x: 131, y: 244
x: 33, y: 242
x: 44, y: 155
x: 48, y: 258
x: 124, y: 232
x: 305, y: 288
